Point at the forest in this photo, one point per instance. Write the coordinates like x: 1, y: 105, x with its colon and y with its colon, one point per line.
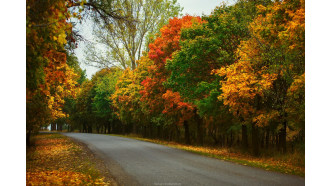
x: 232, y: 79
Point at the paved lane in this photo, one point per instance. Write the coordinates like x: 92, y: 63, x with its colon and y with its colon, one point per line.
x: 134, y: 162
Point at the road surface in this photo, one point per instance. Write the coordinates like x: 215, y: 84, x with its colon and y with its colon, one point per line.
x: 134, y: 162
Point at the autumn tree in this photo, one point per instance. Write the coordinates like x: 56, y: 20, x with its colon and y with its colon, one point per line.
x: 205, y: 47
x: 295, y: 108
x: 154, y: 94
x: 127, y: 96
x: 49, y: 78
x: 256, y: 86
x: 124, y: 40
x: 49, y: 35
x: 70, y: 102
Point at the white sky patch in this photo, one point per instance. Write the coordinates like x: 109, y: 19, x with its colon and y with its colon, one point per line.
x: 201, y: 7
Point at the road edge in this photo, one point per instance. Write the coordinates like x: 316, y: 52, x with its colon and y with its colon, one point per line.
x: 113, y: 171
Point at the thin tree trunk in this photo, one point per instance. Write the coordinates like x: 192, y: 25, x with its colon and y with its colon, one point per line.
x: 214, y: 137
x: 282, y: 137
x: 109, y: 128
x: 262, y: 141
x: 199, y: 122
x: 53, y: 126
x: 255, y: 140
x: 231, y: 138
x: 244, y: 137
x: 177, y: 133
x: 186, y: 132
x: 277, y: 142
x: 267, y: 138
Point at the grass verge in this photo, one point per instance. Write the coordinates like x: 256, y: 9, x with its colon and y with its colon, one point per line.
x: 288, y: 163
x: 55, y: 159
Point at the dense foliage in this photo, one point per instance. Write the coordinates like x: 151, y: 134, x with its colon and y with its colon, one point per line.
x: 235, y: 78
x: 49, y: 79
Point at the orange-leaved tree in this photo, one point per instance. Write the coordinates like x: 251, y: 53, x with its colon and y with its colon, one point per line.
x: 49, y: 78
x: 159, y: 101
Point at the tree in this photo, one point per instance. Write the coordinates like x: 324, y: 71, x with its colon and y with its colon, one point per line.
x: 127, y: 96
x: 104, y: 86
x: 84, y: 102
x: 69, y: 106
x: 124, y: 40
x: 49, y: 78
x: 154, y: 94
x: 256, y: 86
x: 295, y: 107
x: 205, y: 47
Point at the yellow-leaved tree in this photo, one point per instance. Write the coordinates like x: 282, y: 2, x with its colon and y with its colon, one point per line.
x: 270, y: 66
x: 48, y: 78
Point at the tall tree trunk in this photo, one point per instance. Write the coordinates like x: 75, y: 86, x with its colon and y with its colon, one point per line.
x: 177, y: 133
x: 282, y: 137
x: 144, y: 132
x: 277, y: 142
x: 133, y: 64
x: 109, y: 128
x: 186, y: 132
x: 237, y: 142
x: 84, y: 128
x: 158, y: 132
x: 148, y: 130
x: 151, y: 134
x: 255, y: 140
x: 267, y: 137
x: 213, y: 134
x: 231, y: 138
x: 199, y: 122
x: 262, y: 141
x: 221, y: 140
x: 134, y: 129
x: 244, y: 137
x: 53, y: 127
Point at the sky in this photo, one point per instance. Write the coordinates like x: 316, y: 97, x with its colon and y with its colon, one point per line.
x: 191, y: 7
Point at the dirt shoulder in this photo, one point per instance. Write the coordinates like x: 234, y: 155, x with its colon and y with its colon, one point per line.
x: 98, y: 163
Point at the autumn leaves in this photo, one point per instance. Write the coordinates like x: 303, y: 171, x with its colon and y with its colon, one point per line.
x: 235, y: 72
x: 49, y: 78
x: 55, y: 160
x: 198, y: 70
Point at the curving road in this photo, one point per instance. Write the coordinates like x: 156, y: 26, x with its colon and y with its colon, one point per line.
x: 134, y: 162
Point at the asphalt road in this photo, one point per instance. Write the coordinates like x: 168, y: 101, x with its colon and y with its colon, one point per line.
x: 134, y: 162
